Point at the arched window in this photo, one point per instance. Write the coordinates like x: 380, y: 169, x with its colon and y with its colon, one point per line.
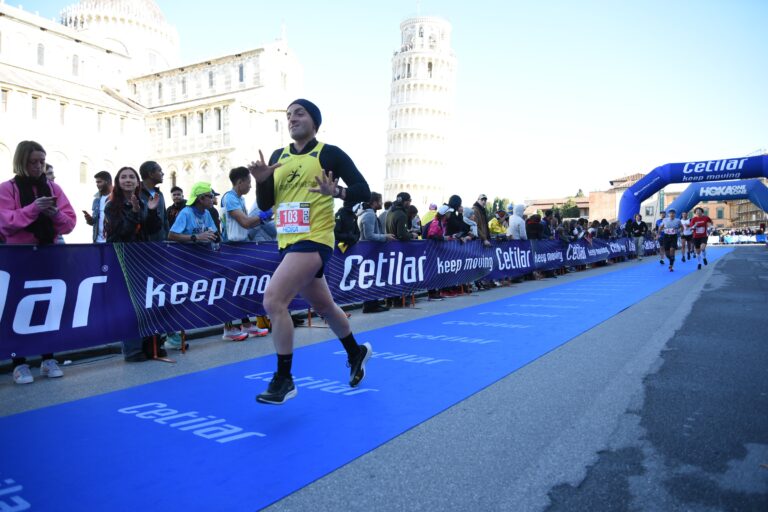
x: 40, y: 54
x: 75, y: 65
x: 210, y: 79
x: 241, y: 73
x: 160, y: 91
x: 184, y: 86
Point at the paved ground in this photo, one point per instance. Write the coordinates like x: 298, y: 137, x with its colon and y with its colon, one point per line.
x: 663, y: 407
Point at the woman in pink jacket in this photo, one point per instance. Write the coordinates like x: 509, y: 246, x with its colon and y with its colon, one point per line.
x: 35, y: 211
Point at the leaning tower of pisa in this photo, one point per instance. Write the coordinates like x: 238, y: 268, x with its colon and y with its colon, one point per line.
x: 419, y: 139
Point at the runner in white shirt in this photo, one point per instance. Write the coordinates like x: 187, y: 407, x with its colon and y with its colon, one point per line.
x: 687, y: 247
x: 670, y: 227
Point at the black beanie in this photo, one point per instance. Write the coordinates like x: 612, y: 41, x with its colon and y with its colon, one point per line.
x: 311, y: 109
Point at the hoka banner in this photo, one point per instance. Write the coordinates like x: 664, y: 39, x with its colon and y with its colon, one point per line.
x: 63, y: 297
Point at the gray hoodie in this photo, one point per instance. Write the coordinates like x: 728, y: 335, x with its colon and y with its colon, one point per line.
x: 370, y: 228
x: 468, y: 214
x: 517, y: 225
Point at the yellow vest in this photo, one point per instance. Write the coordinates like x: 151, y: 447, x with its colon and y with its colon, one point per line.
x: 293, y: 178
x: 496, y: 227
x: 428, y: 217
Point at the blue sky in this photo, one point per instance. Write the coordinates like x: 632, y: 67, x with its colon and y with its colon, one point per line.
x: 552, y: 96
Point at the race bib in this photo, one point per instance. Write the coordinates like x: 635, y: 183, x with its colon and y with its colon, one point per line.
x: 700, y: 230
x: 670, y: 231
x: 292, y: 218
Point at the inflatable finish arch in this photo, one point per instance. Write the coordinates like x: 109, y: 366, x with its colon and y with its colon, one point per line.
x: 753, y: 190
x: 694, y: 172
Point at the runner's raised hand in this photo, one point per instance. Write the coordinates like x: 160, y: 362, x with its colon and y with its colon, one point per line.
x: 260, y: 170
x: 326, y: 185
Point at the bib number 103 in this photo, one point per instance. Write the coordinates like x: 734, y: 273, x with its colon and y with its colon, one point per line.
x: 293, y: 218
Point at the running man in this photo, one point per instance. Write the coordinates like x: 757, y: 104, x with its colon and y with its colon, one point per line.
x: 700, y: 225
x: 301, y: 181
x: 660, y: 235
x: 687, y: 236
x: 670, y: 227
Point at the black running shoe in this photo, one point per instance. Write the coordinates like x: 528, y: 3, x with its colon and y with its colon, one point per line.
x: 699, y: 266
x: 705, y: 261
x: 280, y: 390
x: 357, y: 367
x: 661, y: 261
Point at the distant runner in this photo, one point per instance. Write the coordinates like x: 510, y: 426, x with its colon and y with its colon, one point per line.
x: 687, y: 247
x: 700, y: 225
x: 671, y: 228
x: 660, y: 235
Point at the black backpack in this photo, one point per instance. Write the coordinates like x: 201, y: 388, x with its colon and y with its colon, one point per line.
x: 346, y: 229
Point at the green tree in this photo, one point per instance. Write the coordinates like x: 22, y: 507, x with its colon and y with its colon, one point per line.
x: 568, y: 210
x: 499, y: 203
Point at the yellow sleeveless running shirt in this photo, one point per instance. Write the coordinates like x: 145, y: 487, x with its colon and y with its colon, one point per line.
x: 300, y: 214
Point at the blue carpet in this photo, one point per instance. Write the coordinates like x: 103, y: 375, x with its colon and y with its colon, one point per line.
x: 200, y: 442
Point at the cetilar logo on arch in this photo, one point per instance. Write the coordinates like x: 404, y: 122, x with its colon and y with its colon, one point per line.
x: 731, y: 164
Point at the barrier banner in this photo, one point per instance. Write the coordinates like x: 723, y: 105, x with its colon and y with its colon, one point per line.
x: 57, y: 297
x: 739, y: 239
x: 61, y: 297
x: 185, y: 286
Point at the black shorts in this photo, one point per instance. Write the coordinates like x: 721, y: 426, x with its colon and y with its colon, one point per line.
x: 669, y: 242
x: 323, y: 250
x: 698, y: 241
x: 687, y: 238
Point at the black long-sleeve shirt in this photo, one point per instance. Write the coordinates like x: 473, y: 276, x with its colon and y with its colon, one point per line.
x: 635, y: 228
x: 333, y: 159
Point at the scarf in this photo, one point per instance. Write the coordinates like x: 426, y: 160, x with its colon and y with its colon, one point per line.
x: 42, y: 227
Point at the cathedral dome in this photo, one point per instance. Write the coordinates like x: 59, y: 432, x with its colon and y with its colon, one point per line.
x: 136, y: 26
x: 90, y: 11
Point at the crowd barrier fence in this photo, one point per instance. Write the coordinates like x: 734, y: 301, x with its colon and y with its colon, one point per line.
x: 64, y: 297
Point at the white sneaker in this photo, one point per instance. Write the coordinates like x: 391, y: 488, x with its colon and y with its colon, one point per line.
x: 234, y: 334
x: 173, y: 341
x: 50, y: 368
x: 255, y: 331
x: 22, y: 375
